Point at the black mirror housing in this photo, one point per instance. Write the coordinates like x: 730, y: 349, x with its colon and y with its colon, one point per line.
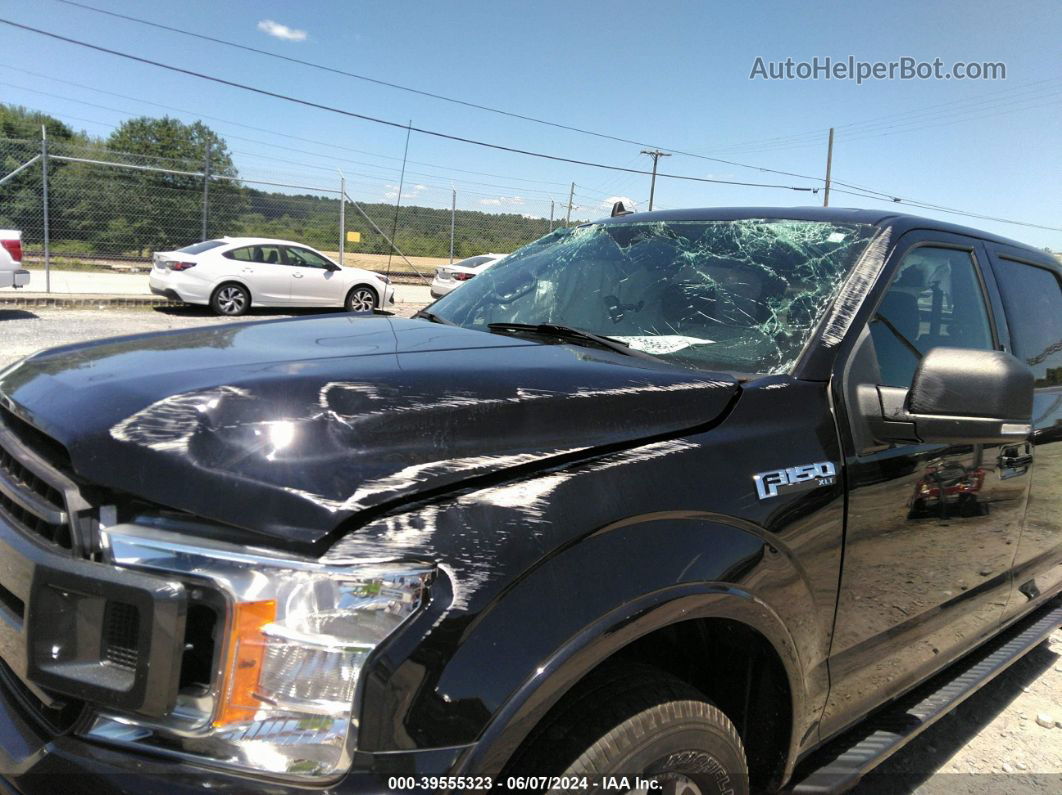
x: 960, y: 395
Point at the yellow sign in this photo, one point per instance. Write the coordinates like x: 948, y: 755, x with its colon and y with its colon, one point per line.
x: 353, y: 237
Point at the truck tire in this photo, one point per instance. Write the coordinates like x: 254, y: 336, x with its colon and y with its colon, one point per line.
x: 636, y: 720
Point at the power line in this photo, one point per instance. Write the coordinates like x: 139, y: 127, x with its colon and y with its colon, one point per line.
x: 388, y: 84
x: 940, y: 108
x: 572, y: 128
x: 331, y: 159
x: 251, y: 127
x: 386, y: 122
x: 950, y: 210
x: 1020, y: 104
x: 511, y: 114
x: 880, y: 195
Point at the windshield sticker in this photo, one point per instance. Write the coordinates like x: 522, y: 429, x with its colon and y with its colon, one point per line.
x: 664, y: 344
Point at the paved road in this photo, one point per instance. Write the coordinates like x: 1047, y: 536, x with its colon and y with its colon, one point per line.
x: 93, y: 282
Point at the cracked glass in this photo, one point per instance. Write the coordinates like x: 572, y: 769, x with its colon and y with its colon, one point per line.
x: 741, y: 296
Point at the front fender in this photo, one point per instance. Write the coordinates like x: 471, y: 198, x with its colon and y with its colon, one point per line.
x: 583, y: 604
x: 606, y: 636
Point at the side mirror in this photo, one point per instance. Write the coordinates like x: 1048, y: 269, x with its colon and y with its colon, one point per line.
x: 960, y: 395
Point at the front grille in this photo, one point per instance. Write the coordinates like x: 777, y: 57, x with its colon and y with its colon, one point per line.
x: 35, y: 496
x: 121, y: 631
x: 55, y: 718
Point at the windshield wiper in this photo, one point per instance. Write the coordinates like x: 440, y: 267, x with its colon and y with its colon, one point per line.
x: 570, y: 334
x: 434, y: 318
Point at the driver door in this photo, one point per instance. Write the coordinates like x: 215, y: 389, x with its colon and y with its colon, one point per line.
x: 931, y: 528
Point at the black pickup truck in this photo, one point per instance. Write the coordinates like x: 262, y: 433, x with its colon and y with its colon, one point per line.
x: 694, y: 501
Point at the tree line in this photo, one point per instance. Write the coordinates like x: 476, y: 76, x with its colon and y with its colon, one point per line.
x: 109, y: 211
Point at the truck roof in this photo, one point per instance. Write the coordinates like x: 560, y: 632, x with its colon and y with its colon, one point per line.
x: 843, y: 215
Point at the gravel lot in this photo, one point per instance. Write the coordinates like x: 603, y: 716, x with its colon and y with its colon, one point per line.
x: 1006, y: 738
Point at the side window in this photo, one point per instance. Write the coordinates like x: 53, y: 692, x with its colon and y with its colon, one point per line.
x: 241, y: 254
x: 306, y: 258
x: 935, y: 301
x: 271, y: 255
x: 1032, y: 298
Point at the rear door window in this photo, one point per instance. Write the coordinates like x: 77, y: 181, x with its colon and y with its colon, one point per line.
x: 270, y: 255
x: 1032, y: 298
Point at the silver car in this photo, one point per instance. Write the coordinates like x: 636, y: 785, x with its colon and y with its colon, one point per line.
x: 450, y: 277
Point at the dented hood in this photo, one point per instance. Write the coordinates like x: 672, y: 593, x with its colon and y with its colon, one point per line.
x: 290, y: 427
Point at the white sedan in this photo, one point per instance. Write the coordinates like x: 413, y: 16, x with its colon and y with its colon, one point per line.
x: 450, y: 277
x: 232, y: 274
x: 11, y: 272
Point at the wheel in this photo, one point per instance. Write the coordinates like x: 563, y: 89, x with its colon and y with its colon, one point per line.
x: 230, y: 299
x: 637, y: 721
x: 361, y: 299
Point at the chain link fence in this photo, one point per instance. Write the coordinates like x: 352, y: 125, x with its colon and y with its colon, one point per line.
x: 83, y: 206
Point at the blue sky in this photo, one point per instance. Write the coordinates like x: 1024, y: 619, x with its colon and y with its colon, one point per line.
x: 674, y: 74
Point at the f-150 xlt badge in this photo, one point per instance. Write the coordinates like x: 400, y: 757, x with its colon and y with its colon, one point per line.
x: 792, y: 479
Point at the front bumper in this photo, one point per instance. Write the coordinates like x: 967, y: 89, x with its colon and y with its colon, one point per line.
x: 32, y: 762
x: 40, y: 755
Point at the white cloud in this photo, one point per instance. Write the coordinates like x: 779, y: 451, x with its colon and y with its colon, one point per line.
x: 408, y: 192
x: 278, y: 31
x: 628, y: 202
x: 503, y: 201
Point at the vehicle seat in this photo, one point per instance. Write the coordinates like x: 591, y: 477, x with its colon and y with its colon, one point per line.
x: 272, y: 258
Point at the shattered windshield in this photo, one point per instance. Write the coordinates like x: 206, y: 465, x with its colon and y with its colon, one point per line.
x: 742, y: 295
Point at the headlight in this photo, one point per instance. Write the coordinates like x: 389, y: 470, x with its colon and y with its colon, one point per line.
x: 289, y: 640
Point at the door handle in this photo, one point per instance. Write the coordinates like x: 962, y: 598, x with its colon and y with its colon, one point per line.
x: 297, y: 275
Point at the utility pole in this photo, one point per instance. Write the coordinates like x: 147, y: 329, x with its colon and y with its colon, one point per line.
x: 829, y: 165
x: 453, y: 220
x: 342, y: 216
x: 656, y: 154
x: 551, y: 215
x: 44, y: 181
x: 206, y: 189
x: 571, y: 195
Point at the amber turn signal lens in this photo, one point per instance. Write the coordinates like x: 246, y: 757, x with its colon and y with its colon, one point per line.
x: 247, y: 647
